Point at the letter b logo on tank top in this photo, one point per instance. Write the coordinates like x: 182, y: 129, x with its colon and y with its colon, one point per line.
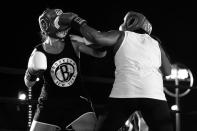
x: 64, y: 72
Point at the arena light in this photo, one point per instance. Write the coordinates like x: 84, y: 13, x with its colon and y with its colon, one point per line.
x: 174, y: 108
x: 182, y: 80
x: 178, y: 73
x: 181, y: 76
x: 22, y: 95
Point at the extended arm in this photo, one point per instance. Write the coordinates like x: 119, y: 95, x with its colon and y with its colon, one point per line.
x: 83, y: 44
x: 36, y: 65
x: 90, y: 51
x: 109, y: 38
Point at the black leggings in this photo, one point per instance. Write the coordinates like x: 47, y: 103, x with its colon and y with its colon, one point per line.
x: 156, y: 113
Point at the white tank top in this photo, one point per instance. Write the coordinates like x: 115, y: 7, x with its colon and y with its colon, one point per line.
x: 137, y: 72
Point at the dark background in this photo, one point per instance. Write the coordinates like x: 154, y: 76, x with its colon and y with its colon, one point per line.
x: 174, y: 23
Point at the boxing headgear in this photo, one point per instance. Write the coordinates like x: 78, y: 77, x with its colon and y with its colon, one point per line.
x: 134, y: 21
x: 48, y: 22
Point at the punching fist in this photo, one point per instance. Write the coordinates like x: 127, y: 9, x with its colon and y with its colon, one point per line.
x: 71, y: 19
x: 66, y: 18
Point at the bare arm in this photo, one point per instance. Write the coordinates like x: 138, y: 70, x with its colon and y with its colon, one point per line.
x: 109, y: 38
x: 83, y: 45
x: 90, y: 51
x: 166, y: 65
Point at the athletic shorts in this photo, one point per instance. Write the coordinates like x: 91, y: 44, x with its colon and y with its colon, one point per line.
x: 61, y: 112
x: 156, y: 113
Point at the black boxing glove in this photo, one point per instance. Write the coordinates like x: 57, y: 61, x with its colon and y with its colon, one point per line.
x: 65, y: 19
x: 70, y: 19
x: 77, y: 22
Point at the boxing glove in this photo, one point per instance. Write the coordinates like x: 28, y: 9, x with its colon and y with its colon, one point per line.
x: 37, y: 64
x: 64, y: 19
x: 71, y: 19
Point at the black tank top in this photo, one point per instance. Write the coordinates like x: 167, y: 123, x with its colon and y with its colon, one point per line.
x: 62, y: 77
